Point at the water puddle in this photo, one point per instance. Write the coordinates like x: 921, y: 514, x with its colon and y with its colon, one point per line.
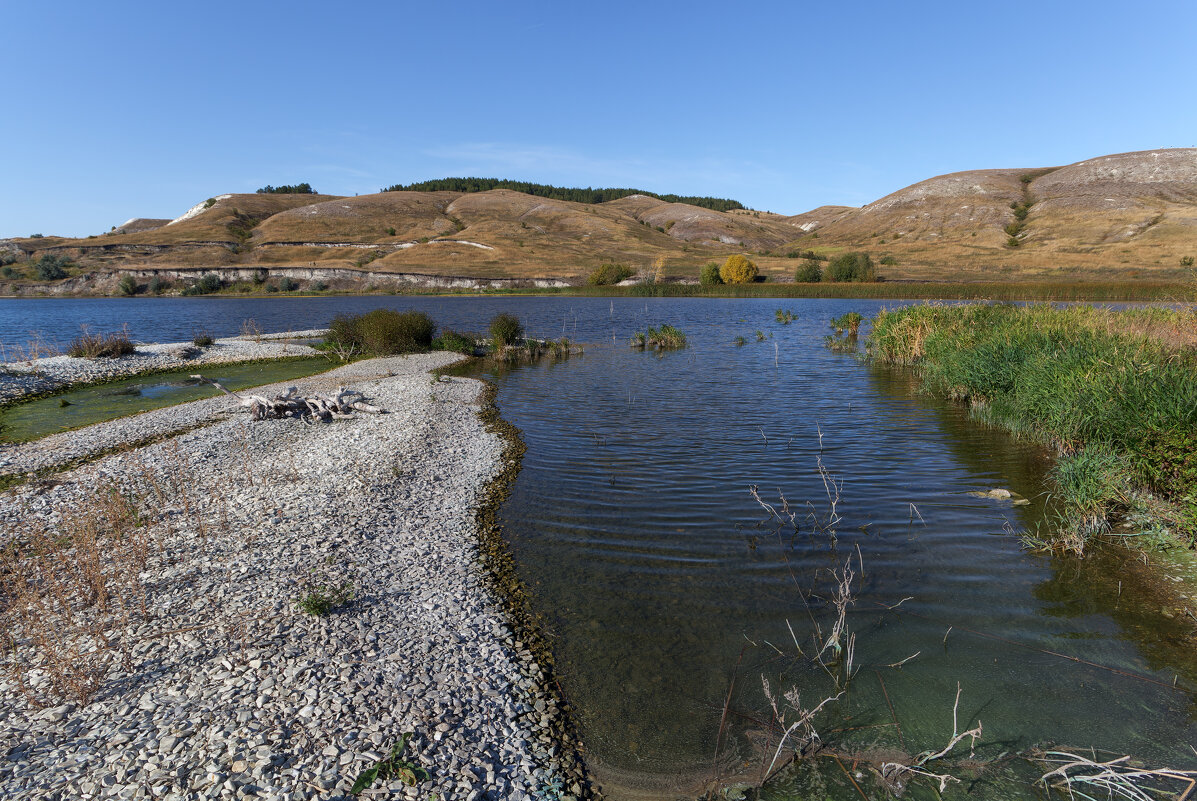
x: 94, y: 404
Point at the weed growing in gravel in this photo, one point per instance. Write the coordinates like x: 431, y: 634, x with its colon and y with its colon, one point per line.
x: 69, y: 589
x: 319, y: 600
x: 394, y: 766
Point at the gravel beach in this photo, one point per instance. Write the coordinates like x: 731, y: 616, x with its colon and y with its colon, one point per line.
x: 217, y: 685
x: 32, y: 376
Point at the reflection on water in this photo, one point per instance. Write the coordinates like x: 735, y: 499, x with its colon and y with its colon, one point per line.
x: 633, y: 523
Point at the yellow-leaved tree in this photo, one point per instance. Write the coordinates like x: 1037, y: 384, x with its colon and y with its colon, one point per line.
x: 737, y: 270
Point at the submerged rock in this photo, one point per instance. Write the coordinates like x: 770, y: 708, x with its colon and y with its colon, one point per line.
x: 999, y: 494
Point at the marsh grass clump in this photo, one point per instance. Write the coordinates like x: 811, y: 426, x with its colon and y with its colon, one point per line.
x: 664, y: 338
x: 202, y: 339
x: 847, y: 323
x: 1115, y: 392
x: 382, y: 332
x: 100, y: 346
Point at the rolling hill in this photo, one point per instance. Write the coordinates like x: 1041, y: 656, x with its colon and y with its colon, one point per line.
x: 1114, y: 217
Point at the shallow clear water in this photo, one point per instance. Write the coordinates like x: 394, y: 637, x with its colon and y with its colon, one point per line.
x: 633, y: 522
x: 94, y: 404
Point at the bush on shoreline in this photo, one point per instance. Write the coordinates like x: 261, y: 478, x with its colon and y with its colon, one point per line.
x: 1115, y: 392
x: 382, y: 332
x: 506, y: 329
x: 738, y: 270
x: 608, y: 274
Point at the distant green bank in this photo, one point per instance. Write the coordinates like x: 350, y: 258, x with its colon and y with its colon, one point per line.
x: 1115, y: 392
x: 1167, y: 291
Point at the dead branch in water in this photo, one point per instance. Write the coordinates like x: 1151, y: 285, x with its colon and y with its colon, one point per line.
x: 1116, y: 777
x: 896, y: 774
x: 339, y: 405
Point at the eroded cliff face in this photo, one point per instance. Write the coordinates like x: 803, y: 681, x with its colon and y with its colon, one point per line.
x: 109, y: 282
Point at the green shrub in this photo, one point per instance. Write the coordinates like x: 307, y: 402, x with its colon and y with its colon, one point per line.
x: 738, y: 270
x: 391, y: 231
x: 383, y: 332
x: 260, y: 276
x: 319, y: 286
x: 888, y: 261
x: 128, y: 285
x: 851, y: 267
x: 506, y: 329
x: 202, y: 339
x: 607, y: 274
x: 157, y: 285
x: 1186, y: 261
x: 287, y: 284
x: 809, y: 272
x: 269, y: 288
x: 709, y: 274
x: 9, y: 272
x: 49, y: 267
x: 206, y: 285
x: 451, y: 340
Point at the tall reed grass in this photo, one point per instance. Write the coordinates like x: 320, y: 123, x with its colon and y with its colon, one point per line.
x: 1115, y: 392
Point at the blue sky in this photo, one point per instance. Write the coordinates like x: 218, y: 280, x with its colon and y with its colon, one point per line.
x: 127, y: 109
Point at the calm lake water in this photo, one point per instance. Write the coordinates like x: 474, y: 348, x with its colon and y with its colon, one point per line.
x: 666, y: 591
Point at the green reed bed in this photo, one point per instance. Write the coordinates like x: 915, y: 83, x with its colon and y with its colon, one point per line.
x: 1115, y: 392
x: 907, y: 290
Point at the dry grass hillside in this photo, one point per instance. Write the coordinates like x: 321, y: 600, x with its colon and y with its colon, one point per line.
x: 1126, y: 216
x: 1116, y: 217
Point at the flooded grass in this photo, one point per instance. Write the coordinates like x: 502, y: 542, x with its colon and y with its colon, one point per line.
x: 1115, y: 392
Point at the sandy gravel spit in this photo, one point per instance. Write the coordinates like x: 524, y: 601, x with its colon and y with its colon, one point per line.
x: 211, y: 682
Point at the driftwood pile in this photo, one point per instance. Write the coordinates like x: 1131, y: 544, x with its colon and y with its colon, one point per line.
x: 339, y: 405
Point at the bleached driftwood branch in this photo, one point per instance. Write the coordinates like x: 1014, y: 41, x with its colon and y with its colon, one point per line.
x: 341, y: 404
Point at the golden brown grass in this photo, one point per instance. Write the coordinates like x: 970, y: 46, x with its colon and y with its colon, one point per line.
x: 1080, y: 226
